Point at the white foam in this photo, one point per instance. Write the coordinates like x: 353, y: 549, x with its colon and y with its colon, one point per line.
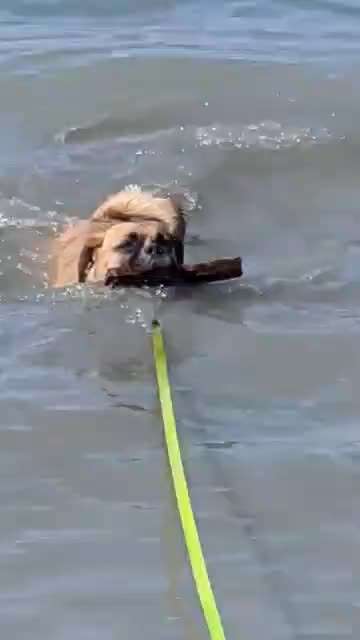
x: 266, y: 135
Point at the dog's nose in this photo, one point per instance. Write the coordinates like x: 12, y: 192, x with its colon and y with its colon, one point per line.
x: 153, y: 249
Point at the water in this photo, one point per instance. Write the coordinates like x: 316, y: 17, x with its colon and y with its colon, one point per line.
x: 251, y: 110
x: 253, y: 30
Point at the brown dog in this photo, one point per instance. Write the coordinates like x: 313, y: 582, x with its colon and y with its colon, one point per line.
x: 130, y: 231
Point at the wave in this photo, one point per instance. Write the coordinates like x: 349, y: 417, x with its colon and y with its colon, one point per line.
x: 263, y: 135
x: 130, y: 128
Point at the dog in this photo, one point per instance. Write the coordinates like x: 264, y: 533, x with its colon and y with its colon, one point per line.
x: 133, y: 232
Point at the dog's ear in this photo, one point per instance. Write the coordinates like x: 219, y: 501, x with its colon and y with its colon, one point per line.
x: 93, y: 240
x: 73, y: 251
x: 178, y: 201
x: 85, y: 262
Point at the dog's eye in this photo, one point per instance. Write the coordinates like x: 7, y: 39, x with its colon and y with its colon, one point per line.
x: 128, y: 242
x: 161, y: 244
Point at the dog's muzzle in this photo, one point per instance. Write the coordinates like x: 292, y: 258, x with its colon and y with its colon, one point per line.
x: 154, y: 256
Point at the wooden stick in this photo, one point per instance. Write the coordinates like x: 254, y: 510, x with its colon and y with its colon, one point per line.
x: 212, y: 271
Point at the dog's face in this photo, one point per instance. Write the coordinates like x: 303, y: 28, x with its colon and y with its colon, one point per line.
x: 134, y: 247
x: 130, y: 232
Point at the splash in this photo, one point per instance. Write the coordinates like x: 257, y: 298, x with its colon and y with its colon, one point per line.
x: 264, y: 135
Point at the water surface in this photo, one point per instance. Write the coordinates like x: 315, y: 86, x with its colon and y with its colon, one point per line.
x: 250, y: 109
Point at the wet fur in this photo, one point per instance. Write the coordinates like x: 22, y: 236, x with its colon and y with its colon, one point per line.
x: 81, y: 252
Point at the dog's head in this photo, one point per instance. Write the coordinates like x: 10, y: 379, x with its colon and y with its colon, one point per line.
x: 131, y: 247
x: 132, y: 233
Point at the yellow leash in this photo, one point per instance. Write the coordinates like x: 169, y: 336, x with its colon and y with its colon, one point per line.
x: 191, y: 535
